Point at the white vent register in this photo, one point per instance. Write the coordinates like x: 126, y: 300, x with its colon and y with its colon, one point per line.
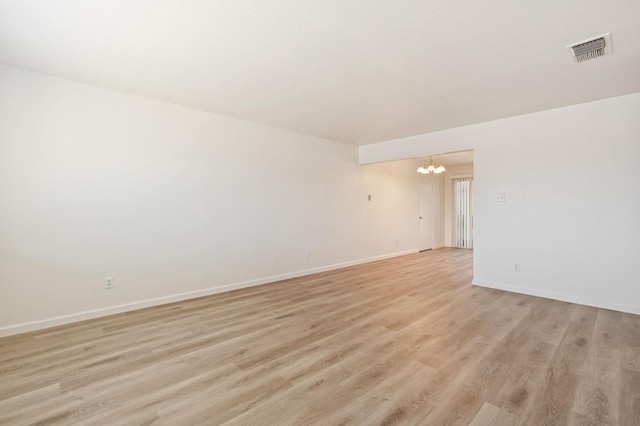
x: 591, y: 48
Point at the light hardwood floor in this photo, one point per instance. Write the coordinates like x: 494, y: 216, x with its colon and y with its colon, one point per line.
x: 400, y: 341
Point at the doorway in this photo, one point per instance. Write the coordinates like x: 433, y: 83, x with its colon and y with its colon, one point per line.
x: 445, y: 202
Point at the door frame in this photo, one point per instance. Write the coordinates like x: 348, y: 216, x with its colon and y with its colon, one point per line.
x: 422, y: 219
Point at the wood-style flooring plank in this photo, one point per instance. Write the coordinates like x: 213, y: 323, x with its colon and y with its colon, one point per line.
x: 404, y: 341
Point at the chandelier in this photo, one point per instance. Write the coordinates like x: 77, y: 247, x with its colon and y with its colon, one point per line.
x: 426, y: 168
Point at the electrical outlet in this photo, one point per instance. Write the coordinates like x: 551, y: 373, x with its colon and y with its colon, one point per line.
x: 397, y: 242
x: 108, y: 283
x: 275, y: 260
x: 308, y: 254
x: 501, y: 197
x: 516, y: 267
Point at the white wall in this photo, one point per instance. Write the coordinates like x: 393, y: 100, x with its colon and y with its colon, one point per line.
x: 171, y: 202
x: 572, y: 181
x: 452, y: 172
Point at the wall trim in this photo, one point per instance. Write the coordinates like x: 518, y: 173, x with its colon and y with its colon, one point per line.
x: 460, y: 175
x: 558, y: 296
x: 127, y: 307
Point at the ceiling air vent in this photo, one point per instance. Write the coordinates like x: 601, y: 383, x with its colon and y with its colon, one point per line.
x: 591, y: 48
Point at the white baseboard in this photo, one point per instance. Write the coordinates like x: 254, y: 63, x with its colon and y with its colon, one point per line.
x: 558, y: 296
x: 126, y: 307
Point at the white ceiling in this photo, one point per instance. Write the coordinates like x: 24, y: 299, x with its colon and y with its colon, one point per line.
x: 349, y: 70
x: 459, y: 158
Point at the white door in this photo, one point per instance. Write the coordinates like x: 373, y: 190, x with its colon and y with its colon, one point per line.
x: 425, y: 212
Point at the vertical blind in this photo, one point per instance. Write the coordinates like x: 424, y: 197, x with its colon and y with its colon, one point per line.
x: 463, y: 199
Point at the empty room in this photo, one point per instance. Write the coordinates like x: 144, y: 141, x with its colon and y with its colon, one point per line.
x: 319, y: 212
